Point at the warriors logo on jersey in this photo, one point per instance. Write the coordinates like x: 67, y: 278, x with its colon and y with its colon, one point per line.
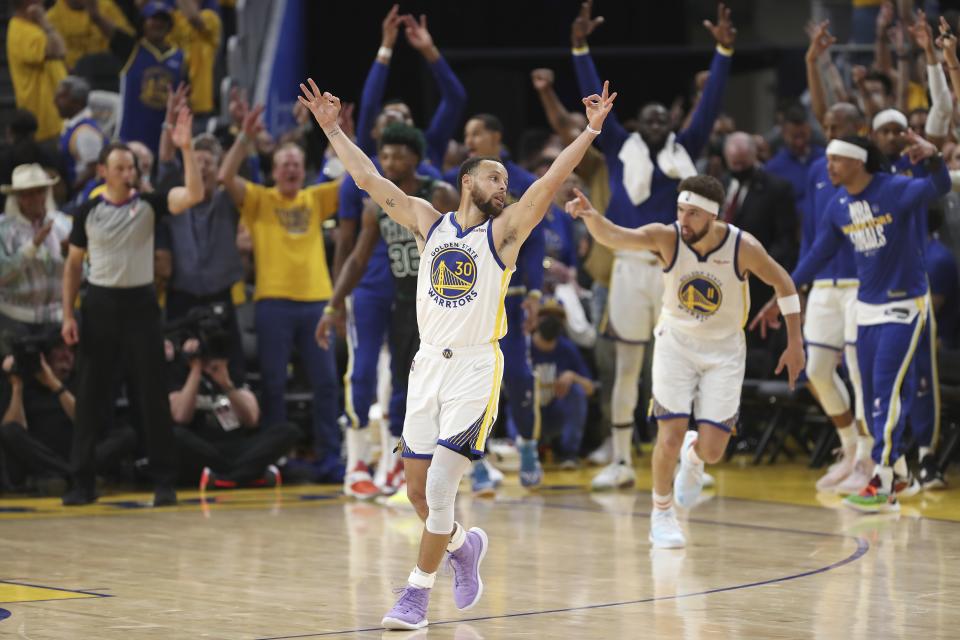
x: 700, y: 294
x: 453, y: 274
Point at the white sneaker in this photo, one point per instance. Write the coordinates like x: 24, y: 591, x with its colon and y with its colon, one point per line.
x: 614, y: 476
x: 496, y: 476
x: 689, y: 481
x: 837, y: 472
x: 602, y: 455
x: 708, y: 481
x: 856, y: 480
x: 665, y: 532
x: 505, y: 454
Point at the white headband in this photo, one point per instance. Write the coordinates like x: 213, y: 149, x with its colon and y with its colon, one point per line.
x: 708, y: 205
x: 887, y: 116
x: 846, y: 150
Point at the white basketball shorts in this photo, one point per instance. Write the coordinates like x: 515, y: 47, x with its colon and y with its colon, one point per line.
x: 636, y: 295
x: 704, y: 376
x: 830, y: 320
x: 452, y: 400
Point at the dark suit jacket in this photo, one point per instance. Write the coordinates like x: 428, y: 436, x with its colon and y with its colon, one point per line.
x: 768, y: 213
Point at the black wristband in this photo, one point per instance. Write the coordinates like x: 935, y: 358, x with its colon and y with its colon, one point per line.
x: 62, y: 390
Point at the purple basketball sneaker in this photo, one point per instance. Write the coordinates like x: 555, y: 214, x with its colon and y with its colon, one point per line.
x: 410, y: 612
x: 467, y: 585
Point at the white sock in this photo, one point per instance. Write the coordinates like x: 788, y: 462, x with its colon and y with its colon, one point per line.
x: 864, y: 448
x: 848, y: 439
x: 421, y: 579
x: 458, y: 537
x: 691, y: 453
x: 886, y: 479
x: 622, y: 437
x: 356, y: 447
x: 900, y: 467
x: 662, y: 503
x: 924, y: 452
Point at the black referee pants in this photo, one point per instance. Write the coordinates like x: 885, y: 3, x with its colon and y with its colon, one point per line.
x: 117, y: 327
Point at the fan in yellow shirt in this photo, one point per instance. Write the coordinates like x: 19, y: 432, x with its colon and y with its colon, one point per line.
x: 35, y: 54
x: 82, y: 37
x: 197, y: 32
x: 292, y: 282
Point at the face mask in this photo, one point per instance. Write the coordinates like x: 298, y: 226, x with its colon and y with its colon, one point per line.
x: 743, y: 175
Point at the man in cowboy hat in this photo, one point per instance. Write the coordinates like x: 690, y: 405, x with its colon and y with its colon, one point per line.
x: 32, y: 237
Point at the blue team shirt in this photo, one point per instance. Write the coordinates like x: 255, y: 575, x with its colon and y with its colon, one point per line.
x: 880, y: 223
x: 795, y: 171
x: 819, y: 192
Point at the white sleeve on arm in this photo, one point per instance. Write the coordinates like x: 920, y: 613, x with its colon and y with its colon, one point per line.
x: 89, y: 143
x: 941, y: 103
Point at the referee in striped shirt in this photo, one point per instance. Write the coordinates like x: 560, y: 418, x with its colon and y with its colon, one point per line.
x: 120, y: 314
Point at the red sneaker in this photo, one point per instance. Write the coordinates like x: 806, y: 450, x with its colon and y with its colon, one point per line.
x: 359, y: 484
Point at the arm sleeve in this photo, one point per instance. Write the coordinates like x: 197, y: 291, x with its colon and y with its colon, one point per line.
x: 695, y: 136
x: 122, y: 44
x: 827, y: 243
x: 941, y: 108
x: 370, y: 102
x: 588, y: 80
x: 324, y: 198
x: 920, y: 191
x: 453, y: 99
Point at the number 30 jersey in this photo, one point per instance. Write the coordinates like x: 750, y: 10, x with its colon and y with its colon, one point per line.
x: 402, y: 252
x: 461, y: 286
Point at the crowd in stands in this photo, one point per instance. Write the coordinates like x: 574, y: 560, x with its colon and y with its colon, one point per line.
x: 143, y: 219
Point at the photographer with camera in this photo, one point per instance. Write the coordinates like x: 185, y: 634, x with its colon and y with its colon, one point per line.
x: 37, y: 425
x: 216, y: 423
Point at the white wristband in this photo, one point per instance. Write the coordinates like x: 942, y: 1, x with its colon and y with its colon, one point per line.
x: 385, y: 52
x: 789, y: 304
x: 592, y: 130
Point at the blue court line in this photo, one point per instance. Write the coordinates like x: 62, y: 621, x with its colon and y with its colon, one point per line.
x: 41, y: 586
x: 862, y: 547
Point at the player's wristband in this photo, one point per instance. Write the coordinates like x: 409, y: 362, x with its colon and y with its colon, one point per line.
x: 722, y: 50
x: 329, y: 310
x: 581, y: 51
x: 385, y: 52
x: 789, y: 304
x: 595, y: 132
x: 536, y: 294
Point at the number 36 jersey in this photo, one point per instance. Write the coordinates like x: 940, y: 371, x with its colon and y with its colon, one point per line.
x: 461, y: 286
x: 402, y: 252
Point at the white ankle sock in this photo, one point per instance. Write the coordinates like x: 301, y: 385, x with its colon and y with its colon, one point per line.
x: 924, y: 452
x: 886, y: 478
x: 622, y: 437
x: 458, y: 537
x: 421, y: 579
x: 848, y: 438
x: 662, y: 503
x: 356, y: 447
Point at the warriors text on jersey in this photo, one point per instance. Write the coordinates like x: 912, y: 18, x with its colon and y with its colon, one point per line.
x: 706, y: 296
x: 461, y: 285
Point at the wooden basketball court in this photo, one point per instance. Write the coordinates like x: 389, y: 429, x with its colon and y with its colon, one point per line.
x: 766, y: 559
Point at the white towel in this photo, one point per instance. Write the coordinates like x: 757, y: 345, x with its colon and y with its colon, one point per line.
x: 673, y: 160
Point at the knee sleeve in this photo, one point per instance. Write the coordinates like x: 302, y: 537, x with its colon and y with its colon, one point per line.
x: 822, y: 372
x: 443, y: 480
x: 626, y: 383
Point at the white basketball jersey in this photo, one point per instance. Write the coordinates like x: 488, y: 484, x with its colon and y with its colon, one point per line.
x: 461, y: 285
x: 706, y: 296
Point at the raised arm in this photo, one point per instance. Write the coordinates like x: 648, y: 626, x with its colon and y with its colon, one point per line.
x: 55, y: 49
x: 371, y: 98
x: 453, y: 96
x: 941, y: 106
x: 820, y: 41
x: 654, y: 237
x: 415, y: 214
x: 557, y: 114
x: 228, y: 177
x: 948, y: 44
x: 754, y: 259
x: 179, y: 199
x: 350, y: 274
x: 921, y: 191
x: 695, y: 136
x: 530, y: 209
